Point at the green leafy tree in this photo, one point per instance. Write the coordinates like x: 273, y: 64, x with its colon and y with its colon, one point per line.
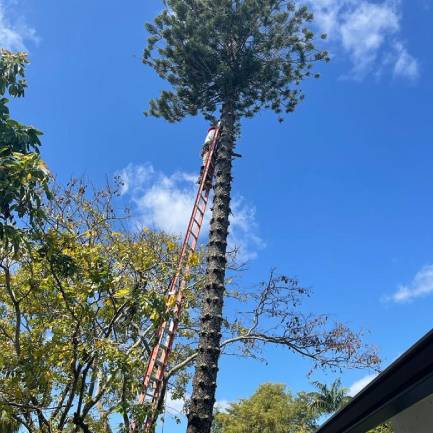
x: 329, y: 399
x: 23, y: 174
x: 226, y: 58
x: 271, y: 409
x: 79, y: 305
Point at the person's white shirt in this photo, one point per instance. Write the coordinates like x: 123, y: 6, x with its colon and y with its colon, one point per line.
x: 210, y: 135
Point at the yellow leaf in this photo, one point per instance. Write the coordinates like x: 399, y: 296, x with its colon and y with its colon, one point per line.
x: 194, y: 259
x: 171, y: 301
x: 121, y: 293
x: 43, y: 167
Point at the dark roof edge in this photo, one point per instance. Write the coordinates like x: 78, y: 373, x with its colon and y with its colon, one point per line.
x: 406, y: 381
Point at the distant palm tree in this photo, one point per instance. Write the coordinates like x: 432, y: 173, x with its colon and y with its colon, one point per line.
x: 329, y: 399
x: 7, y: 423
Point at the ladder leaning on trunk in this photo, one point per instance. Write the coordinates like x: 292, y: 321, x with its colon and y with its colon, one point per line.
x: 153, y: 382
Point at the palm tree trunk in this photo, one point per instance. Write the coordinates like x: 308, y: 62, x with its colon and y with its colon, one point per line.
x: 204, y: 383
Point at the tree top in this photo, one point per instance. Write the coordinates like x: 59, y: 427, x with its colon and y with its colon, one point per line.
x: 253, y: 53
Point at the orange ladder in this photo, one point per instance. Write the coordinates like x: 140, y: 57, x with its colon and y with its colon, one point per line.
x: 153, y: 382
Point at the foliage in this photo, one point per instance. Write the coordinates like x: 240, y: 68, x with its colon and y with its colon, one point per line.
x: 78, y: 308
x: 22, y: 172
x: 328, y: 400
x: 80, y: 303
x: 269, y: 410
x: 7, y: 423
x: 273, y: 314
x: 256, y: 52
x: 273, y: 410
x: 384, y: 428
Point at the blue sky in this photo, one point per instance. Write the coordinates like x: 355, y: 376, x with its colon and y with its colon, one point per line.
x: 339, y: 195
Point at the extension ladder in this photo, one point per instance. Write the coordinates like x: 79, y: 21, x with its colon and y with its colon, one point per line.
x: 153, y: 382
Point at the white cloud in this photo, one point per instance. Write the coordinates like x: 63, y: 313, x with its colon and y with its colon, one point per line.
x: 421, y: 285
x: 368, y: 33
x: 222, y: 405
x: 14, y: 33
x: 363, y: 32
x: 165, y: 202
x: 162, y: 202
x: 406, y: 65
x: 360, y: 384
x: 243, y: 230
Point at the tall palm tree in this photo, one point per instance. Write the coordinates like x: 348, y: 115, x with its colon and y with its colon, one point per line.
x: 327, y: 400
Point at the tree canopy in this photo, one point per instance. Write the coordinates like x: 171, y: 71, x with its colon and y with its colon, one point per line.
x: 271, y: 409
x: 79, y: 304
x: 256, y: 52
x: 23, y: 174
x: 329, y: 399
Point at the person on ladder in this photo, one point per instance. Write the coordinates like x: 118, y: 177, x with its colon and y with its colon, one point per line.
x: 205, y: 154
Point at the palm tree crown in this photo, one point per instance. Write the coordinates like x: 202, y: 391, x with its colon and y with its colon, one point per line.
x: 329, y: 399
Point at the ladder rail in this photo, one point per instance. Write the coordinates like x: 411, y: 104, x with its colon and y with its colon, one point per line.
x: 158, y: 359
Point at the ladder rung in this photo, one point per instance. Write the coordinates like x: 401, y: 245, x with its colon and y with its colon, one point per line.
x: 163, y: 346
x: 159, y: 363
x: 167, y: 330
x: 161, y: 333
x: 155, y: 379
x: 163, y: 350
x: 168, y: 334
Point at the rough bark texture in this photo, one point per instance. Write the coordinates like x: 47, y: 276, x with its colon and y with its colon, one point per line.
x: 204, y: 382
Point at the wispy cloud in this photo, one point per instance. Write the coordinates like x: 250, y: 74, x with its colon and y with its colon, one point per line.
x: 369, y: 33
x: 14, y: 33
x: 165, y: 201
x: 161, y: 201
x: 420, y: 286
x: 406, y: 65
x: 222, y: 405
x: 360, y: 384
